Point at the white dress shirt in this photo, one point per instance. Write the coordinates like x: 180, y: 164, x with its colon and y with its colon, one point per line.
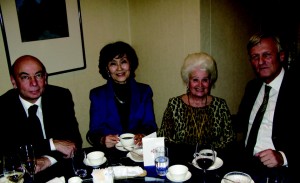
x: 39, y: 114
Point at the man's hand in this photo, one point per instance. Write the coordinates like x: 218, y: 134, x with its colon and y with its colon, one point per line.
x: 270, y: 158
x: 41, y: 164
x: 66, y: 147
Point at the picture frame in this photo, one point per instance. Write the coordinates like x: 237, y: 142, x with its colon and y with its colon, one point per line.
x: 59, y: 53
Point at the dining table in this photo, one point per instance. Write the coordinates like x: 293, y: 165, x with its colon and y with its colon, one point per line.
x: 177, y: 153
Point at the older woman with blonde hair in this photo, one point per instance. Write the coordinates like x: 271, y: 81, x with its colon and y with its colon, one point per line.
x: 197, y: 116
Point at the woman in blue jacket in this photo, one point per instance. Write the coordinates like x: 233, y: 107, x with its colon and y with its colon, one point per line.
x: 122, y: 105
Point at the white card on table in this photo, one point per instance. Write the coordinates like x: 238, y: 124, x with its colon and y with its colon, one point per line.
x: 149, y: 144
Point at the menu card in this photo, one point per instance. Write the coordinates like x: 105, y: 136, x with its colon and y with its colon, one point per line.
x: 150, y: 142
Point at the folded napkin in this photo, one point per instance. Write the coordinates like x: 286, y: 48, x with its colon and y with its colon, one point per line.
x: 127, y: 171
x: 104, y: 175
x: 107, y: 175
x: 57, y: 180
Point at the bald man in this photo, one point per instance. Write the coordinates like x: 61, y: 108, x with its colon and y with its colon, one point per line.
x: 58, y: 125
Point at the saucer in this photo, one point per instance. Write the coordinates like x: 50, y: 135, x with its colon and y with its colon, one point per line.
x: 133, y: 159
x: 187, y: 177
x: 218, y: 163
x: 120, y: 147
x: 223, y: 181
x: 95, y: 166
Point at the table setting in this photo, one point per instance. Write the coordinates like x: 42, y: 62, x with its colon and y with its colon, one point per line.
x: 153, y: 161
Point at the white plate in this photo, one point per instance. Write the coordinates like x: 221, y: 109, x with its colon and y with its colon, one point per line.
x: 223, y: 181
x: 120, y: 147
x: 94, y: 166
x: 187, y: 177
x: 133, y: 159
x: 218, y: 163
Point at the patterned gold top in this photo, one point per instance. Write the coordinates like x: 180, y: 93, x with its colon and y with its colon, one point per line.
x: 206, y: 125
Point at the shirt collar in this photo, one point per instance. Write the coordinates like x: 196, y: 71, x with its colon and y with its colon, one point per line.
x: 27, y: 104
x: 275, y: 84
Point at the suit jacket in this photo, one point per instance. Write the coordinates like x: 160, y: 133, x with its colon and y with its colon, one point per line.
x: 104, y: 116
x: 283, y: 123
x: 59, y: 121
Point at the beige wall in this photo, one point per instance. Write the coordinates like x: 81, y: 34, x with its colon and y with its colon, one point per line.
x: 163, y: 33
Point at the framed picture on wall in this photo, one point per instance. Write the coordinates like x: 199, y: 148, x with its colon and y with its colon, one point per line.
x: 50, y: 30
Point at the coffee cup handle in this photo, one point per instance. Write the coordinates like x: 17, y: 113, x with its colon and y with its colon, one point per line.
x: 196, y: 155
x: 87, y: 161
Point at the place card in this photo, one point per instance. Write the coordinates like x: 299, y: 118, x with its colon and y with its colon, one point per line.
x: 150, y: 142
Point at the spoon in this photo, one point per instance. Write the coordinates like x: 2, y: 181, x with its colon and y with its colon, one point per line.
x: 229, y: 180
x: 226, y: 179
x: 133, y: 152
x: 84, y: 154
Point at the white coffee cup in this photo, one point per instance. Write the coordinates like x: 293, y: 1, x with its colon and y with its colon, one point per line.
x: 178, y: 172
x: 127, y: 139
x: 95, y: 158
x: 237, y: 176
x: 75, y: 180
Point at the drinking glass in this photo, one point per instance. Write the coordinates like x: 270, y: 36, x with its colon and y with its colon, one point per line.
x: 161, y: 160
x: 28, y: 159
x: 13, y: 169
x: 205, y: 158
x: 78, y: 166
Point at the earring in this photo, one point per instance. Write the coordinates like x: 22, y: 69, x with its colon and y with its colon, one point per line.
x: 187, y: 89
x: 108, y: 74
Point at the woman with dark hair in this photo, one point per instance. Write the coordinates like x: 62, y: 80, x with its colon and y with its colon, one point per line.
x: 122, y: 105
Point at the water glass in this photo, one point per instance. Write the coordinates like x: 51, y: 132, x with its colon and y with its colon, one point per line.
x: 13, y: 169
x: 78, y: 166
x: 28, y: 159
x: 161, y: 160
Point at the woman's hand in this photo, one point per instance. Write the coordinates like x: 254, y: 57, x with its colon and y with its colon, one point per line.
x: 138, y: 139
x: 110, y: 140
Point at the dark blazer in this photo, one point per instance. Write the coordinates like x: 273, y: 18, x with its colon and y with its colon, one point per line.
x: 104, y: 116
x: 284, y: 125
x: 280, y: 124
x: 59, y: 120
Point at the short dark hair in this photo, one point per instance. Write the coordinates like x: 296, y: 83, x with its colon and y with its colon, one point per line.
x: 110, y: 51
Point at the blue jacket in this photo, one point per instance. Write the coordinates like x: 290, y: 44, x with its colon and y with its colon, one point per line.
x: 104, y: 116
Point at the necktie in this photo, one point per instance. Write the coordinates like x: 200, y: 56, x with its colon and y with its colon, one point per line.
x: 35, y: 123
x: 257, y: 121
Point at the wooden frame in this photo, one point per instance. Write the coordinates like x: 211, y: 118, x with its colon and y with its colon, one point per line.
x: 59, y: 55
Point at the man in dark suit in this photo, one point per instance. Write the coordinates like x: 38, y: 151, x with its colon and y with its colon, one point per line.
x: 271, y: 153
x: 60, y: 136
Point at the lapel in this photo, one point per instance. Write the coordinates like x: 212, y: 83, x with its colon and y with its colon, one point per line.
x: 17, y: 109
x: 46, y: 109
x: 112, y: 109
x: 251, y: 93
x: 282, y: 105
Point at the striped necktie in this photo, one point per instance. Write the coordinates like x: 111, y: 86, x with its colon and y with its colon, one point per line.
x: 257, y: 121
